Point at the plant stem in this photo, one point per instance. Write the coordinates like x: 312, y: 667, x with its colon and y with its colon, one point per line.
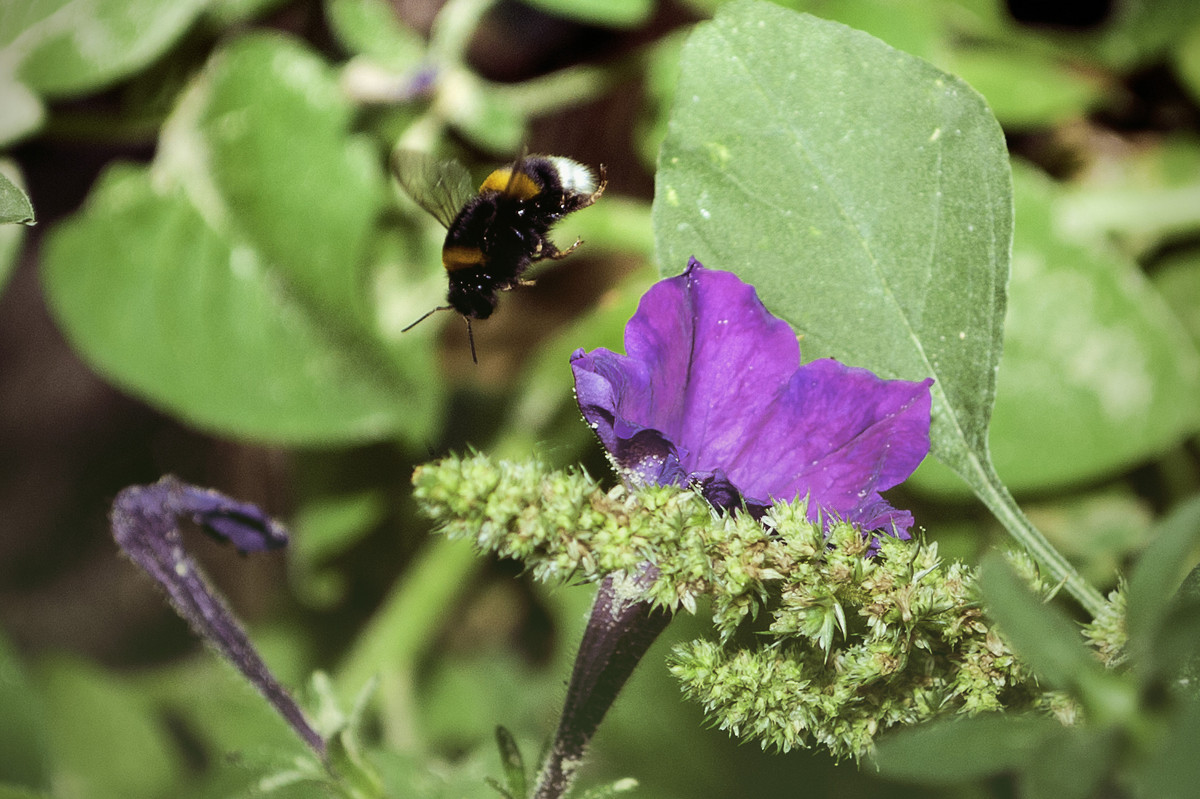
x: 1002, y: 505
x: 619, y: 631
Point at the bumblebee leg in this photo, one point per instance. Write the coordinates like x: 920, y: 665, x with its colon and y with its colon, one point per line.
x: 591, y: 198
x: 555, y: 254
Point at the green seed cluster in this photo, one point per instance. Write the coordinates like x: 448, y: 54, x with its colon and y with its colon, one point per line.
x: 825, y: 638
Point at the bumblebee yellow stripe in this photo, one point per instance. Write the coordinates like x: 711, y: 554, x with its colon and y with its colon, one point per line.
x: 504, y: 181
x: 456, y: 257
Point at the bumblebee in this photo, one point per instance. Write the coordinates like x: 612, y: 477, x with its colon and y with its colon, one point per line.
x: 495, y: 234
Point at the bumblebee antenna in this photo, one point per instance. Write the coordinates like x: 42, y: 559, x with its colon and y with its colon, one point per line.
x: 471, y: 339
x: 426, y: 316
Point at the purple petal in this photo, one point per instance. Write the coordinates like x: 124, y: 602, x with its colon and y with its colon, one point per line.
x: 712, y: 381
x: 703, y: 352
x: 838, y: 435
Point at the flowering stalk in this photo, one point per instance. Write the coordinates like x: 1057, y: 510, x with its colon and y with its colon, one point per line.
x: 145, y: 523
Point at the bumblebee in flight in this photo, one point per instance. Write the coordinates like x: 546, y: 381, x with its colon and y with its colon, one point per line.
x: 494, y: 235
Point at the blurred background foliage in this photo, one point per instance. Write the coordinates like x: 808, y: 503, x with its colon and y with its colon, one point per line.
x: 216, y: 285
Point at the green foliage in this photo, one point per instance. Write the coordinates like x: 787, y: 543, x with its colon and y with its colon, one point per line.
x: 851, y: 644
x: 60, y: 48
x: 1132, y: 721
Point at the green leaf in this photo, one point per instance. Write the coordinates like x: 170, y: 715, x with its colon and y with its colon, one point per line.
x: 1070, y: 764
x: 372, y: 28
x: 1045, y: 638
x: 13, y: 202
x: 230, y: 284
x: 108, y: 741
x: 609, y: 13
x: 1156, y: 577
x: 1031, y: 88
x: 1097, y: 373
x: 1177, y: 647
x: 24, y: 737
x: 1171, y: 770
x: 70, y: 47
x: 867, y: 196
x: 1177, y: 278
x: 960, y: 750
x: 23, y: 110
x: 1187, y: 61
x: 18, y: 792
x: 168, y: 308
x: 260, y: 144
x: 14, y: 205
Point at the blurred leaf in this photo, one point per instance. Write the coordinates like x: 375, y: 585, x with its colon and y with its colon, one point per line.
x: 230, y: 283
x: 1069, y: 764
x: 106, y: 738
x: 23, y: 111
x: 489, y: 120
x: 915, y: 28
x: 658, y: 88
x: 1028, y: 89
x: 168, y: 308
x: 1137, y: 193
x: 18, y: 792
x: 1187, y: 61
x: 609, y: 13
x: 1177, y: 278
x: 325, y: 527
x: 70, y: 47
x: 1039, y: 632
x: 863, y: 192
x: 265, y: 127
x: 230, y: 13
x: 1099, y: 530
x: 1171, y: 770
x: 14, y: 205
x: 373, y: 28
x: 24, y: 735
x: 959, y: 750
x: 1156, y: 576
x: 1177, y: 648
x: 1097, y: 373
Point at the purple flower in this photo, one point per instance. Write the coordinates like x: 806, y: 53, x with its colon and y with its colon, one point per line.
x: 712, y: 391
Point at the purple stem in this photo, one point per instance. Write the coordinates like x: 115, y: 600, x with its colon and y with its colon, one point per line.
x: 145, y: 523
x: 618, y: 633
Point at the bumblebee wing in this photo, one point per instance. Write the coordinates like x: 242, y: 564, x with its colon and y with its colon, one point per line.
x: 440, y: 187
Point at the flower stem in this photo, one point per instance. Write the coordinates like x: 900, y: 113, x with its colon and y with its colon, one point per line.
x: 619, y: 631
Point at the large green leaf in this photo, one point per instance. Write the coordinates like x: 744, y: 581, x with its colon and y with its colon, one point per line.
x: 166, y: 307
x: 260, y: 144
x: 867, y: 195
x: 68, y: 47
x: 229, y: 284
x: 863, y: 192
